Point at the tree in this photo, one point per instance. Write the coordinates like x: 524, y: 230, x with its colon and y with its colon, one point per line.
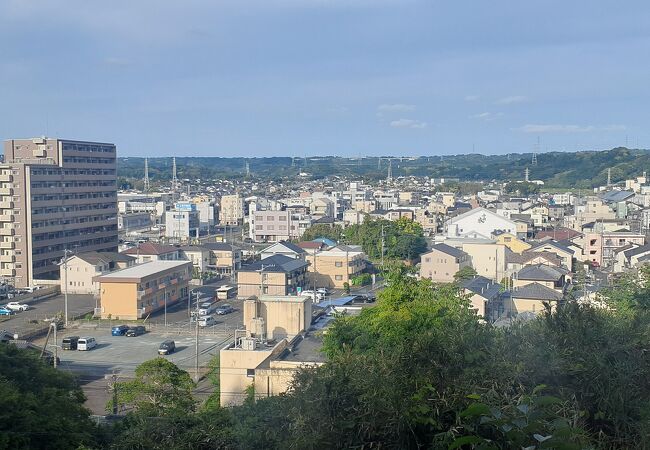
x: 464, y: 274
x: 40, y: 407
x: 523, y: 188
x: 403, y: 239
x: 159, y: 389
x: 320, y: 230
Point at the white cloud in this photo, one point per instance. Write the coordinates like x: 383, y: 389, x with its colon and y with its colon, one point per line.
x: 487, y: 116
x: 397, y: 107
x: 408, y: 123
x: 472, y: 98
x: 555, y: 128
x: 512, y: 99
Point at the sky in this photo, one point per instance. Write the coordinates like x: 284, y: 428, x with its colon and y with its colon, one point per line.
x: 327, y: 77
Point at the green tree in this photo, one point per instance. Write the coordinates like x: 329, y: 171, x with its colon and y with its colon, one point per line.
x: 40, y: 407
x: 464, y: 274
x: 322, y: 231
x: 523, y: 188
x: 159, y: 389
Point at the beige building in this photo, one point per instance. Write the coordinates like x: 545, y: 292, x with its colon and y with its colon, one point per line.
x: 335, y: 267
x: 250, y: 361
x: 55, y: 195
x: 531, y: 298
x: 489, y: 260
x: 442, y: 262
x: 148, y: 251
x: 275, y: 275
x: 274, y: 226
x: 83, y: 268
x: 224, y: 258
x: 232, y: 210
x: 136, y: 292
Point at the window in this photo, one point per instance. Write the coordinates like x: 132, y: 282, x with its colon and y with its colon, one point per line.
x: 250, y: 372
x: 427, y: 259
x: 338, y: 264
x: 338, y: 277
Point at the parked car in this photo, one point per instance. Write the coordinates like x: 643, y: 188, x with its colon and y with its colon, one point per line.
x: 32, y: 289
x: 17, y: 306
x: 119, y: 330
x: 224, y: 309
x: 166, y: 348
x: 135, y: 331
x: 316, y: 296
x: 70, y: 343
x: 207, y: 308
x: 5, y: 311
x: 86, y: 343
x: 207, y: 321
x: 323, y: 291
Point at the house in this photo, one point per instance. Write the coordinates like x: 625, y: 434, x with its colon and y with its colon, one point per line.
x: 531, y: 298
x: 630, y: 257
x: 511, y: 241
x: 83, y: 267
x: 560, y: 250
x: 274, y: 275
x: 488, y: 258
x: 200, y: 256
x: 135, y: 292
x: 482, y: 293
x: 311, y: 247
x: 284, y: 248
x: 478, y: 220
x: 599, y: 247
x: 515, y: 262
x: 442, y: 263
x: 337, y: 266
x: 224, y: 258
x: 552, y: 277
x: 148, y: 251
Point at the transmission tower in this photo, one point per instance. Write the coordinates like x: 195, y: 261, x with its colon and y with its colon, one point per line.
x: 527, y: 174
x: 390, y: 170
x: 535, y: 152
x: 248, y: 169
x: 609, y: 177
x: 146, y: 175
x: 174, y: 179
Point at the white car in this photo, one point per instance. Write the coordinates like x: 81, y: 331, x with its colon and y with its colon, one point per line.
x: 16, y: 306
x: 207, y: 321
x: 316, y: 296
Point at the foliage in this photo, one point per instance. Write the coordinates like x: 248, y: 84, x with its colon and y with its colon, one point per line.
x: 213, y: 376
x: 464, y: 274
x: 403, y: 239
x: 523, y: 188
x: 159, y: 389
x: 346, y: 287
x: 630, y: 293
x: 362, y: 280
x: 320, y: 230
x: 40, y: 407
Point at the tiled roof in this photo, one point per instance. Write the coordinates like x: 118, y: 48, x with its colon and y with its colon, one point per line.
x: 276, y: 263
x: 536, y: 291
x: 449, y: 250
x: 149, y: 248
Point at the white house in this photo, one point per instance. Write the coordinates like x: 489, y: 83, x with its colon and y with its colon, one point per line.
x: 478, y: 221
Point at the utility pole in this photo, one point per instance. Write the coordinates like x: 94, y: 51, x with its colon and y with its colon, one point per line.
x: 56, y: 342
x: 114, y: 389
x: 65, y: 284
x: 196, y: 341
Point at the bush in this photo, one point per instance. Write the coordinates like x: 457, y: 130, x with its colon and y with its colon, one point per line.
x: 362, y: 280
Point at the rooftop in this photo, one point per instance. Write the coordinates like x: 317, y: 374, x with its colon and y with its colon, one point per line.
x: 449, y: 250
x: 276, y: 263
x: 305, y: 349
x: 141, y: 271
x: 149, y: 248
x: 536, y: 291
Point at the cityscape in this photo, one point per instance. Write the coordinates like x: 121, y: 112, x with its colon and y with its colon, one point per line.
x: 488, y: 290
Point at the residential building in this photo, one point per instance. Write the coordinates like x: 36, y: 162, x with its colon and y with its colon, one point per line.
x: 564, y: 253
x: 182, y: 224
x: 442, y: 262
x: 137, y: 291
x: 483, y: 294
x: 272, y: 226
x: 82, y: 268
x: 232, y: 210
x: 284, y: 248
x: 599, y: 248
x: 199, y: 256
x: 337, y: 266
x: 148, y: 251
x: 511, y: 241
x: 286, y: 315
x: 488, y: 259
x: 55, y: 195
x: 479, y: 221
x: 275, y: 275
x: 225, y: 259
x: 530, y: 298
x: 553, y: 277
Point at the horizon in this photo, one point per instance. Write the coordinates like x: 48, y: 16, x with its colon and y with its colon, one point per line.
x: 312, y: 77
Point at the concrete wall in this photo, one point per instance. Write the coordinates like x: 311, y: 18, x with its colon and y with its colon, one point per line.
x: 489, y: 260
x: 283, y: 316
x: 440, y: 267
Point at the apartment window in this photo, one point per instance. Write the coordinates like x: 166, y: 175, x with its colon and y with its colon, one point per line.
x: 250, y: 372
x: 270, y: 218
x: 427, y: 259
x: 338, y: 277
x: 284, y: 218
x: 338, y: 264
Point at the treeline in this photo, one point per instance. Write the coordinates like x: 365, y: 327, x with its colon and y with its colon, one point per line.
x: 580, y: 170
x: 416, y: 371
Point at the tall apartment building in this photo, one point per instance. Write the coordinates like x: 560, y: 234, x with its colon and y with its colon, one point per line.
x: 55, y: 195
x: 232, y: 210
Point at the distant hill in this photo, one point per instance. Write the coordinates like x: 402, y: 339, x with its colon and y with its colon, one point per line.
x: 556, y: 169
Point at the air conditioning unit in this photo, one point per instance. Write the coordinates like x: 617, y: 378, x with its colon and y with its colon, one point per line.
x: 39, y: 140
x: 248, y: 343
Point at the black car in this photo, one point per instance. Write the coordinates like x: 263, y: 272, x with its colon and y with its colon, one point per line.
x: 70, y: 343
x: 135, y: 331
x: 166, y: 348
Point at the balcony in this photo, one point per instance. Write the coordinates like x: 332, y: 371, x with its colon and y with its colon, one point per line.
x: 6, y: 205
x: 7, y: 245
x: 6, y: 191
x: 7, y: 258
x: 6, y: 177
x: 7, y: 272
x: 7, y: 218
x: 7, y: 231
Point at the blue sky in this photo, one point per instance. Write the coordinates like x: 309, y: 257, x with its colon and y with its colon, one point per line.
x: 316, y: 77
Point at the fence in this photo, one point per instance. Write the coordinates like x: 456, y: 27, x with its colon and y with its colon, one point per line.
x: 219, y: 330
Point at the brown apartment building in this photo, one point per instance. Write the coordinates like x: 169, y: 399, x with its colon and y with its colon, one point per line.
x: 55, y: 195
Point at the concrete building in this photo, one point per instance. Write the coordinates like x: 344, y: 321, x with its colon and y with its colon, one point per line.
x: 442, y: 262
x: 128, y: 223
x: 479, y: 221
x: 148, y: 251
x: 84, y: 267
x: 488, y: 259
x: 273, y: 226
x: 134, y: 293
x: 334, y: 267
x: 275, y: 275
x: 181, y: 224
x: 200, y: 256
x: 232, y: 210
x: 55, y: 195
x: 225, y: 259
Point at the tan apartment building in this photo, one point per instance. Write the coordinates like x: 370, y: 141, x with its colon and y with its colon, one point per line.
x: 224, y: 258
x: 337, y: 266
x: 83, y: 268
x: 274, y: 226
x: 442, y: 262
x: 136, y: 292
x: 600, y: 248
x: 488, y: 259
x: 231, y: 211
x: 55, y: 195
x: 275, y: 275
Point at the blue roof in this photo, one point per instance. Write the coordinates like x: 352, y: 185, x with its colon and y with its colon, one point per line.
x: 336, y: 302
x: 328, y: 242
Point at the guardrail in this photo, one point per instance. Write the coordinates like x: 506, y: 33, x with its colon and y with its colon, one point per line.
x: 220, y: 329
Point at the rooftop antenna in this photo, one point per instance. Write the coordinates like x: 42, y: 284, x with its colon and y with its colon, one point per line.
x: 146, y: 175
